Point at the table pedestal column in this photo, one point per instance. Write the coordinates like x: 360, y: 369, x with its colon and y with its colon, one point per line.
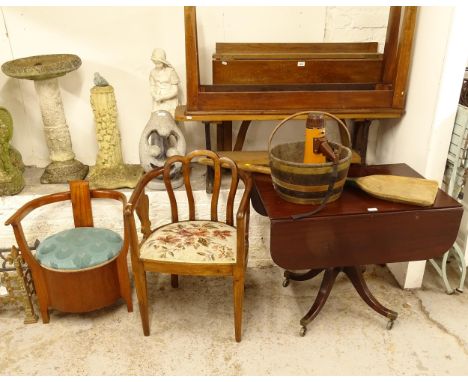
x: 64, y: 166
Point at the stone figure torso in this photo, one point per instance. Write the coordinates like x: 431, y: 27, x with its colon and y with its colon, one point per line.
x: 164, y: 82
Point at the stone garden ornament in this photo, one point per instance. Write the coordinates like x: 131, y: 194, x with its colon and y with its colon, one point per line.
x: 163, y: 83
x: 44, y: 71
x: 162, y: 138
x: 11, y: 164
x: 110, y: 171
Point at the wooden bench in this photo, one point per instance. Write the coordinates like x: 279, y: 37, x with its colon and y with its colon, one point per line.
x: 384, y: 89
x: 294, y: 64
x: 270, y: 81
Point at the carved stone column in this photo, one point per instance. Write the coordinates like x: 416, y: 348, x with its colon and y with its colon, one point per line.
x: 110, y: 170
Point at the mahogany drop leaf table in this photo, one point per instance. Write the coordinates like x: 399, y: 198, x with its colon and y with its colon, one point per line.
x: 352, y: 232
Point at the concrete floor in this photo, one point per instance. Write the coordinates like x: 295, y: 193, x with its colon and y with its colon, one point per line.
x: 193, y: 333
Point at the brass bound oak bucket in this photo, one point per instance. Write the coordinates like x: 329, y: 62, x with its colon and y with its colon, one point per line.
x: 309, y: 183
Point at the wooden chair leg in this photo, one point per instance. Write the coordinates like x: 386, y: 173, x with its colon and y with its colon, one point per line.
x: 41, y: 293
x: 124, y: 282
x: 45, y: 315
x: 43, y: 307
x: 142, y: 294
x: 238, y: 305
x: 175, y: 281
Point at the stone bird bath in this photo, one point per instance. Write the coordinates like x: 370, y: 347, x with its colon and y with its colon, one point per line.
x: 44, y: 70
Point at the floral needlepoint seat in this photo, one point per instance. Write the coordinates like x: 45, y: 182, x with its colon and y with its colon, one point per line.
x: 192, y: 242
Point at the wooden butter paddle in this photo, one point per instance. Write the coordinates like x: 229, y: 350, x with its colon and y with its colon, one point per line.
x: 401, y: 189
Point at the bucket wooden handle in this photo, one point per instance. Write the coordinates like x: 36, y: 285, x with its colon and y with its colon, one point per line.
x: 341, y: 125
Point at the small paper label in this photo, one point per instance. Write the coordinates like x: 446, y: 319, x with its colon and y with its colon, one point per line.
x: 3, y: 291
x: 224, y: 62
x: 372, y: 209
x: 189, y: 117
x: 301, y: 63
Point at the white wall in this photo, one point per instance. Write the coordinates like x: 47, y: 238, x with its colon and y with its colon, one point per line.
x: 351, y: 24
x: 118, y: 41
x: 421, y: 138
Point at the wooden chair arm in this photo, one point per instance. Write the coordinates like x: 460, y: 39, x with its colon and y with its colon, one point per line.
x: 23, y: 211
x: 109, y: 194
x: 140, y: 188
x: 244, y: 204
x: 243, y: 219
x: 23, y: 245
x: 130, y: 227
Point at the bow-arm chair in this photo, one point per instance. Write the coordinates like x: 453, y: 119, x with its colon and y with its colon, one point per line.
x: 191, y: 247
x: 80, y: 269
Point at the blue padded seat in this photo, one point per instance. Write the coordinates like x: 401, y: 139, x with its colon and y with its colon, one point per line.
x: 79, y: 248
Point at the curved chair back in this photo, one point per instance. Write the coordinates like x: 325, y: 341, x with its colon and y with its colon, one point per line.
x: 217, y: 163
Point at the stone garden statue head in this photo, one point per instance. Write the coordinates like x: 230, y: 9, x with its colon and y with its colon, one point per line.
x: 159, y: 57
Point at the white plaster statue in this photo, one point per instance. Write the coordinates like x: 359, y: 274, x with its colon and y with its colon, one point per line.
x: 163, y: 83
x: 160, y: 140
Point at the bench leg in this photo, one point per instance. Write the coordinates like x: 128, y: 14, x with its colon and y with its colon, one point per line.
x: 209, y: 170
x: 360, y: 138
x: 244, y: 127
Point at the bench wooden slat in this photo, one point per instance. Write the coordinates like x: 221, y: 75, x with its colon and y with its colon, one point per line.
x: 319, y: 47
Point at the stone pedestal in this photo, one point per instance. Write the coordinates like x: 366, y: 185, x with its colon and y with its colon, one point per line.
x: 44, y: 70
x: 64, y: 166
x: 110, y: 171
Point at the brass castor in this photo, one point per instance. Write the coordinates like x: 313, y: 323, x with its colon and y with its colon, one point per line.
x: 303, y: 331
x: 390, y: 324
x: 285, y: 282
